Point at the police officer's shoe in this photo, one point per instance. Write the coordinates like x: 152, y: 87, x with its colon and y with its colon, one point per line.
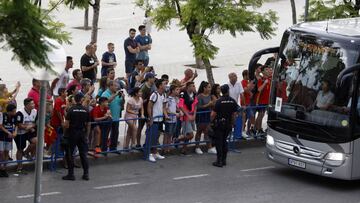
x: 85, y: 177
x: 224, y: 163
x: 69, y: 177
x: 217, y: 164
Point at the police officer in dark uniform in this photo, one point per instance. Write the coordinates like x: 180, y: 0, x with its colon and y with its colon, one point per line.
x: 77, y: 124
x: 222, y: 117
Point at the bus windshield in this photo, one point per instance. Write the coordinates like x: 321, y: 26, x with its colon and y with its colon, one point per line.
x: 304, y: 96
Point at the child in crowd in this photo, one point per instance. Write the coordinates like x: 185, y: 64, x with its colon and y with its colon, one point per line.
x: 248, y: 114
x: 50, y: 133
x: 172, y: 110
x: 134, y: 108
x: 187, y: 104
x: 7, y: 97
x: 101, y: 114
x: 7, y: 132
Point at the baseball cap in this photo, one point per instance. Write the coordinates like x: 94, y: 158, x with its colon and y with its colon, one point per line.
x: 149, y: 75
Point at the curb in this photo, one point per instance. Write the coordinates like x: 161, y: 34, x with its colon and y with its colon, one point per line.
x: 129, y: 156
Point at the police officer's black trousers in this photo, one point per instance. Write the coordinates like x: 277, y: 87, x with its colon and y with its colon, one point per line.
x: 77, y: 139
x: 221, y: 145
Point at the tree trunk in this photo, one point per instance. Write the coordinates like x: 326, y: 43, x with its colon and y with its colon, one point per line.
x: 293, y: 9
x: 209, y: 73
x: 199, y: 64
x: 306, y: 14
x: 95, y: 21
x: 86, y: 19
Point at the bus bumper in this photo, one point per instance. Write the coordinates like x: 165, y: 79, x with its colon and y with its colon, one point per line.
x: 314, y: 166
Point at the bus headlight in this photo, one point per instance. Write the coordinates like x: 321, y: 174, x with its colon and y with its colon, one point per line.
x: 334, y: 159
x: 270, y: 140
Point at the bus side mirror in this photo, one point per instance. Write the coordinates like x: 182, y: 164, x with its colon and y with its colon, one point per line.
x: 346, y: 72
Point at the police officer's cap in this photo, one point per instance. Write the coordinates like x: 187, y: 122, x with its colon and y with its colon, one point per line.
x: 224, y: 89
x: 78, y: 97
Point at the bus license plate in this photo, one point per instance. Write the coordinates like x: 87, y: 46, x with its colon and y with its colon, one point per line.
x: 298, y: 164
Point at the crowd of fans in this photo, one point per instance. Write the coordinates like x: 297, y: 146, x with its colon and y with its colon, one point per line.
x: 141, y: 97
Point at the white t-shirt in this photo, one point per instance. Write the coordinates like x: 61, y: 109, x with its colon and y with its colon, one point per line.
x: 235, y: 91
x: 159, y: 102
x: 171, y: 106
x: 63, y: 81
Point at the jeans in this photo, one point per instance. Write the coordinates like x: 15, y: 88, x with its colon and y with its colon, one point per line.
x: 114, y: 136
x: 105, y: 129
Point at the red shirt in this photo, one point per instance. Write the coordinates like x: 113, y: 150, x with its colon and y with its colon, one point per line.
x: 98, y: 113
x: 247, y: 95
x: 59, y: 106
x: 263, y: 96
x: 35, y: 95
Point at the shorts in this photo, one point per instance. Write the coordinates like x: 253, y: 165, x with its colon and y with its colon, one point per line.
x: 261, y: 108
x: 187, y: 127
x: 250, y: 112
x: 20, y: 140
x: 5, y: 146
x: 170, y: 129
x: 129, y: 66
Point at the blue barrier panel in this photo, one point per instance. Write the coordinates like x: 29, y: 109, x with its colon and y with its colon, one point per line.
x: 238, y: 127
x: 150, y: 133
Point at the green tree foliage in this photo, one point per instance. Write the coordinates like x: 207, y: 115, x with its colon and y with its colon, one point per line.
x: 201, y: 18
x: 332, y: 9
x: 23, y: 28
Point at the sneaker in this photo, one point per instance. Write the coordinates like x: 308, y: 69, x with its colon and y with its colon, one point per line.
x: 21, y: 172
x: 212, y: 150
x: 152, y: 158
x: 245, y: 135
x: 97, y: 150
x: 198, y: 151
x: 252, y: 132
x: 158, y: 156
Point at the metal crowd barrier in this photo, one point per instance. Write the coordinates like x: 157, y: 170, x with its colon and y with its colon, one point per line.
x: 234, y: 136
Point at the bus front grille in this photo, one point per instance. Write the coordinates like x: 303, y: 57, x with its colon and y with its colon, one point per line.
x: 299, y: 150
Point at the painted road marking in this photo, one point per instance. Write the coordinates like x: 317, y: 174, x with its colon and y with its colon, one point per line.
x: 188, y: 177
x: 258, y: 169
x: 42, y: 194
x: 115, y: 186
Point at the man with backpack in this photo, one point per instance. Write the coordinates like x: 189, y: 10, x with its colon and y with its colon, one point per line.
x: 147, y: 88
x: 157, y: 113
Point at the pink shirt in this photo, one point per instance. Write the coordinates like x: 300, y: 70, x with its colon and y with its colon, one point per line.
x: 76, y: 83
x: 182, y: 105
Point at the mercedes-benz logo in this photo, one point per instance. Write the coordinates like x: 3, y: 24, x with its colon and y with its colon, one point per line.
x: 296, y: 150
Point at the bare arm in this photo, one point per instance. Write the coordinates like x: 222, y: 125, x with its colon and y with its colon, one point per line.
x: 132, y: 50
x: 66, y: 124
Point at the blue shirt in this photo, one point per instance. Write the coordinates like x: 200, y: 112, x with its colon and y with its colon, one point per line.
x: 115, y: 106
x: 143, y: 40
x: 108, y: 58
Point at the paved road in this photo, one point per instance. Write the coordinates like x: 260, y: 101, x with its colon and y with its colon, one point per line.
x: 249, y: 177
